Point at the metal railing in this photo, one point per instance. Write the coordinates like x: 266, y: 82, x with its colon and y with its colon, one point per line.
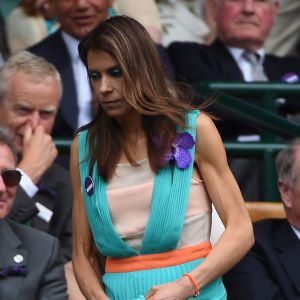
x: 276, y: 130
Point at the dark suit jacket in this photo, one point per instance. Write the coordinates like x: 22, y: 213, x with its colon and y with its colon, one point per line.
x: 195, y: 62
x: 54, y: 50
x: 55, y: 193
x: 271, y: 270
x: 40, y: 253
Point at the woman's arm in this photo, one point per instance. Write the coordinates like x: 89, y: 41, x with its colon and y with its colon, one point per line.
x: 224, y: 192
x: 84, y: 259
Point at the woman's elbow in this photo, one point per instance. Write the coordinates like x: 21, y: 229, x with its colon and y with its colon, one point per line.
x: 246, y: 231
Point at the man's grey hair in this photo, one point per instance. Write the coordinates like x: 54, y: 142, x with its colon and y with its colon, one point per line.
x: 285, y: 164
x: 37, y: 68
x: 274, y: 1
x: 6, y: 138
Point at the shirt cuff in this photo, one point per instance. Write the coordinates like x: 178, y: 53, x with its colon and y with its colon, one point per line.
x: 27, y: 185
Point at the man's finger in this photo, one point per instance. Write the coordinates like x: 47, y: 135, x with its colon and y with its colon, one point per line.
x: 27, y: 134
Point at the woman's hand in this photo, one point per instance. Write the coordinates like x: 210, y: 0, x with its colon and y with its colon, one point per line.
x: 180, y: 289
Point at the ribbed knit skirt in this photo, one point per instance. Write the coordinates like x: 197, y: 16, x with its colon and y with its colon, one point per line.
x: 136, y: 284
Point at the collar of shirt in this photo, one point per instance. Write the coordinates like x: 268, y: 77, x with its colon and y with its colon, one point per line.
x: 245, y: 67
x: 72, y: 45
x: 297, y: 231
x: 82, y: 86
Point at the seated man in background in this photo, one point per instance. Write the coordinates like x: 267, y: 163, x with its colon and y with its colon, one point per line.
x: 30, y: 89
x: 76, y: 19
x: 271, y: 270
x: 30, y: 262
x: 237, y: 54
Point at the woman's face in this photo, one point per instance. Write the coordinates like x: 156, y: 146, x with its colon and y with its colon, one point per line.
x: 107, y: 82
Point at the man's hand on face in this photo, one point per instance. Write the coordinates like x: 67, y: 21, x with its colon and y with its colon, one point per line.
x: 38, y: 154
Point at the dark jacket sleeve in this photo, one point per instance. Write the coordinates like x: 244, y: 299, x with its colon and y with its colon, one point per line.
x: 251, y: 280
x: 24, y: 207
x: 53, y: 283
x: 270, y: 270
x: 61, y: 222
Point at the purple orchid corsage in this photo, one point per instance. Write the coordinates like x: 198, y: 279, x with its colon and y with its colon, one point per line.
x: 180, y: 150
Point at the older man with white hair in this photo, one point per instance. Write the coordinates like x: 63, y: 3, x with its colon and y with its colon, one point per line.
x: 30, y: 91
x: 30, y: 263
x: 238, y: 55
x: 271, y: 269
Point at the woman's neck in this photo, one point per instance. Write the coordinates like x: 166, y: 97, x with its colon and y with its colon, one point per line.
x: 132, y: 126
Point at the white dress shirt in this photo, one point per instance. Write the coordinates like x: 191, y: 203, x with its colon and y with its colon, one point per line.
x: 244, y: 65
x: 297, y: 231
x: 83, y: 89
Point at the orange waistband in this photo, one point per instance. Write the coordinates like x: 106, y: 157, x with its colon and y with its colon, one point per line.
x: 159, y: 260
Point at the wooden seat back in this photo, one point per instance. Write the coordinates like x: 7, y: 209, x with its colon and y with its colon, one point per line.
x: 265, y: 210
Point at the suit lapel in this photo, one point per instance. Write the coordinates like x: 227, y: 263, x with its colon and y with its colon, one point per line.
x: 10, y: 252
x: 229, y: 70
x: 288, y: 249
x: 271, y: 68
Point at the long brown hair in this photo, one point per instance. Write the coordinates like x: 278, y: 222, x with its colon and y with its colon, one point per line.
x: 146, y: 89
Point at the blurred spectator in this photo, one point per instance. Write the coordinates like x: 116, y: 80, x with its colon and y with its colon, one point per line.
x: 30, y: 89
x: 146, y: 12
x: 169, y: 20
x: 183, y: 20
x: 30, y: 22
x: 237, y: 55
x: 284, y: 35
x: 76, y: 19
x: 271, y: 270
x: 30, y: 264
x: 4, y: 52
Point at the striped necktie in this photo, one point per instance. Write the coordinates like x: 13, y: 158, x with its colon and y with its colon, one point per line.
x: 257, y: 70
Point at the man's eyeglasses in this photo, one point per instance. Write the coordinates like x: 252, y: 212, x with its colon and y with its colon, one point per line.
x: 11, y: 178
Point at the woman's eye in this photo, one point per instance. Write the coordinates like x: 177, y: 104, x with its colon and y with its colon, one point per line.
x: 93, y: 75
x: 115, y: 72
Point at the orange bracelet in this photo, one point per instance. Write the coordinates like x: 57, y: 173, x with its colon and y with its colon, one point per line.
x: 195, y: 285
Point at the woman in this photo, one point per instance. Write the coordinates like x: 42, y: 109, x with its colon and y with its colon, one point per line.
x: 143, y: 173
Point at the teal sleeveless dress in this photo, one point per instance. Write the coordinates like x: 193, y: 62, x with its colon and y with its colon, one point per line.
x: 162, y: 233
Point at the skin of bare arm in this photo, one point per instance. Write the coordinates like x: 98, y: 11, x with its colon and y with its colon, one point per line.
x: 237, y: 239
x: 83, y: 258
